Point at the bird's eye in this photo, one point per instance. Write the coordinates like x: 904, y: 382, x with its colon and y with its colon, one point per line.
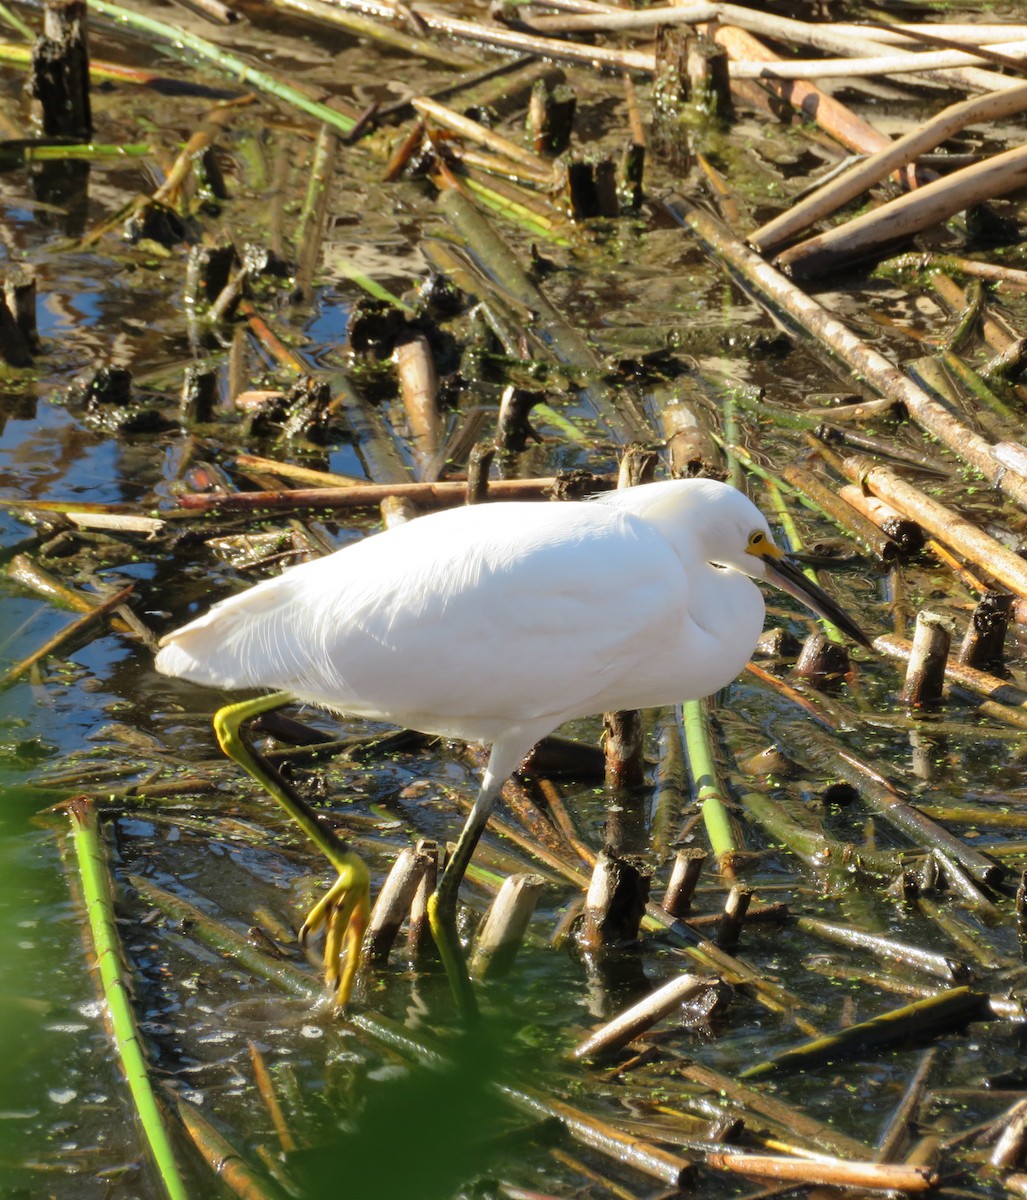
x: 756, y: 539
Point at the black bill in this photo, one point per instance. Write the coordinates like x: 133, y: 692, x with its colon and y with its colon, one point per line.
x: 787, y: 575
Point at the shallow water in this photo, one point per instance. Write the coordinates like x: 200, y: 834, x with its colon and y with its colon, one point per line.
x: 97, y: 719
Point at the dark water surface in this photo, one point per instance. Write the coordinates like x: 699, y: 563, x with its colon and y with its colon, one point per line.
x: 97, y: 719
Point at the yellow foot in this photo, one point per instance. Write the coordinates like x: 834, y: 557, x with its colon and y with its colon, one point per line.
x: 343, y: 914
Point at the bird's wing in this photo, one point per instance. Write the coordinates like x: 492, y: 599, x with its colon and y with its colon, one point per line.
x: 523, y: 611
x: 461, y: 622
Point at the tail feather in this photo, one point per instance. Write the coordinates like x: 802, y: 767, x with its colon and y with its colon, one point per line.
x: 220, y: 649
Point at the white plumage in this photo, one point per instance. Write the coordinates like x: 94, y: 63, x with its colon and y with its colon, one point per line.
x: 498, y: 622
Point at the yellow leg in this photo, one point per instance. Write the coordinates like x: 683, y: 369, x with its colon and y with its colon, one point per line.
x: 442, y: 920
x: 344, y: 910
x: 443, y: 902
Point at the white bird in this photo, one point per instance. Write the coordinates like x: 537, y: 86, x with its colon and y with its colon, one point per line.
x: 495, y: 623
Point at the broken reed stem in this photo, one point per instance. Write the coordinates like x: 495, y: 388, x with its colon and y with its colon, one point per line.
x: 369, y: 495
x: 641, y: 1016
x: 999, y: 698
x: 887, y: 1177
x: 66, y: 635
x: 906, y: 534
x: 262, y: 1078
x: 60, y: 71
x: 941, y: 521
x: 842, y: 514
x: 392, y: 905
x: 279, y: 971
x: 418, y: 389
x: 779, y: 295
x: 925, y: 668
x: 845, y: 187
x: 890, y: 951
x: 225, y: 1161
x: 614, y: 904
x: 937, y: 1014
x: 502, y: 933
x: 881, y: 229
x: 432, y: 110
x: 684, y: 877
x: 729, y: 928
x: 117, y: 990
x: 630, y: 1151
x: 984, y: 641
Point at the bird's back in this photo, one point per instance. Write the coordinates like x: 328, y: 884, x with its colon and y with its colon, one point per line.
x: 468, y: 622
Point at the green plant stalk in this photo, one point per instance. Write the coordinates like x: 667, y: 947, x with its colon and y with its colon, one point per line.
x: 784, y: 515
x: 972, y: 381
x: 783, y: 418
x: 730, y: 414
x: 369, y: 285
x: 813, y: 846
x: 96, y: 891
x: 321, y: 164
x: 565, y: 426
x: 16, y: 23
x: 562, y: 341
x: 519, y: 213
x: 703, y: 768
x: 88, y: 150
x: 229, y: 64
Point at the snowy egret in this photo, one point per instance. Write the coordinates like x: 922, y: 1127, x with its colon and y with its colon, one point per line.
x: 494, y: 623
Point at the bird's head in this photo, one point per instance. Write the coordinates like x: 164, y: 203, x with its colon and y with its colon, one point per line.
x: 728, y: 530
x: 765, y: 560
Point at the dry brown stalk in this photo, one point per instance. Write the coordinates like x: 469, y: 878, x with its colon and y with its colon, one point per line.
x: 1003, y: 700
x: 67, y: 634
x: 873, y: 1176
x: 943, y: 522
x: 287, y: 470
x: 840, y: 511
x: 418, y: 386
x: 266, y: 1087
x: 845, y: 187
x: 899, y: 219
x: 925, y: 668
x: 551, y: 48
x: 393, y: 903
x: 504, y: 928
x: 368, y: 495
x: 970, y: 35
x: 824, y: 37
x: 898, y: 63
x: 906, y: 534
x: 591, y: 1131
x: 831, y: 115
x: 865, y: 362
x: 432, y: 110
x: 827, y: 35
x: 737, y: 1099
x: 628, y: 1024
